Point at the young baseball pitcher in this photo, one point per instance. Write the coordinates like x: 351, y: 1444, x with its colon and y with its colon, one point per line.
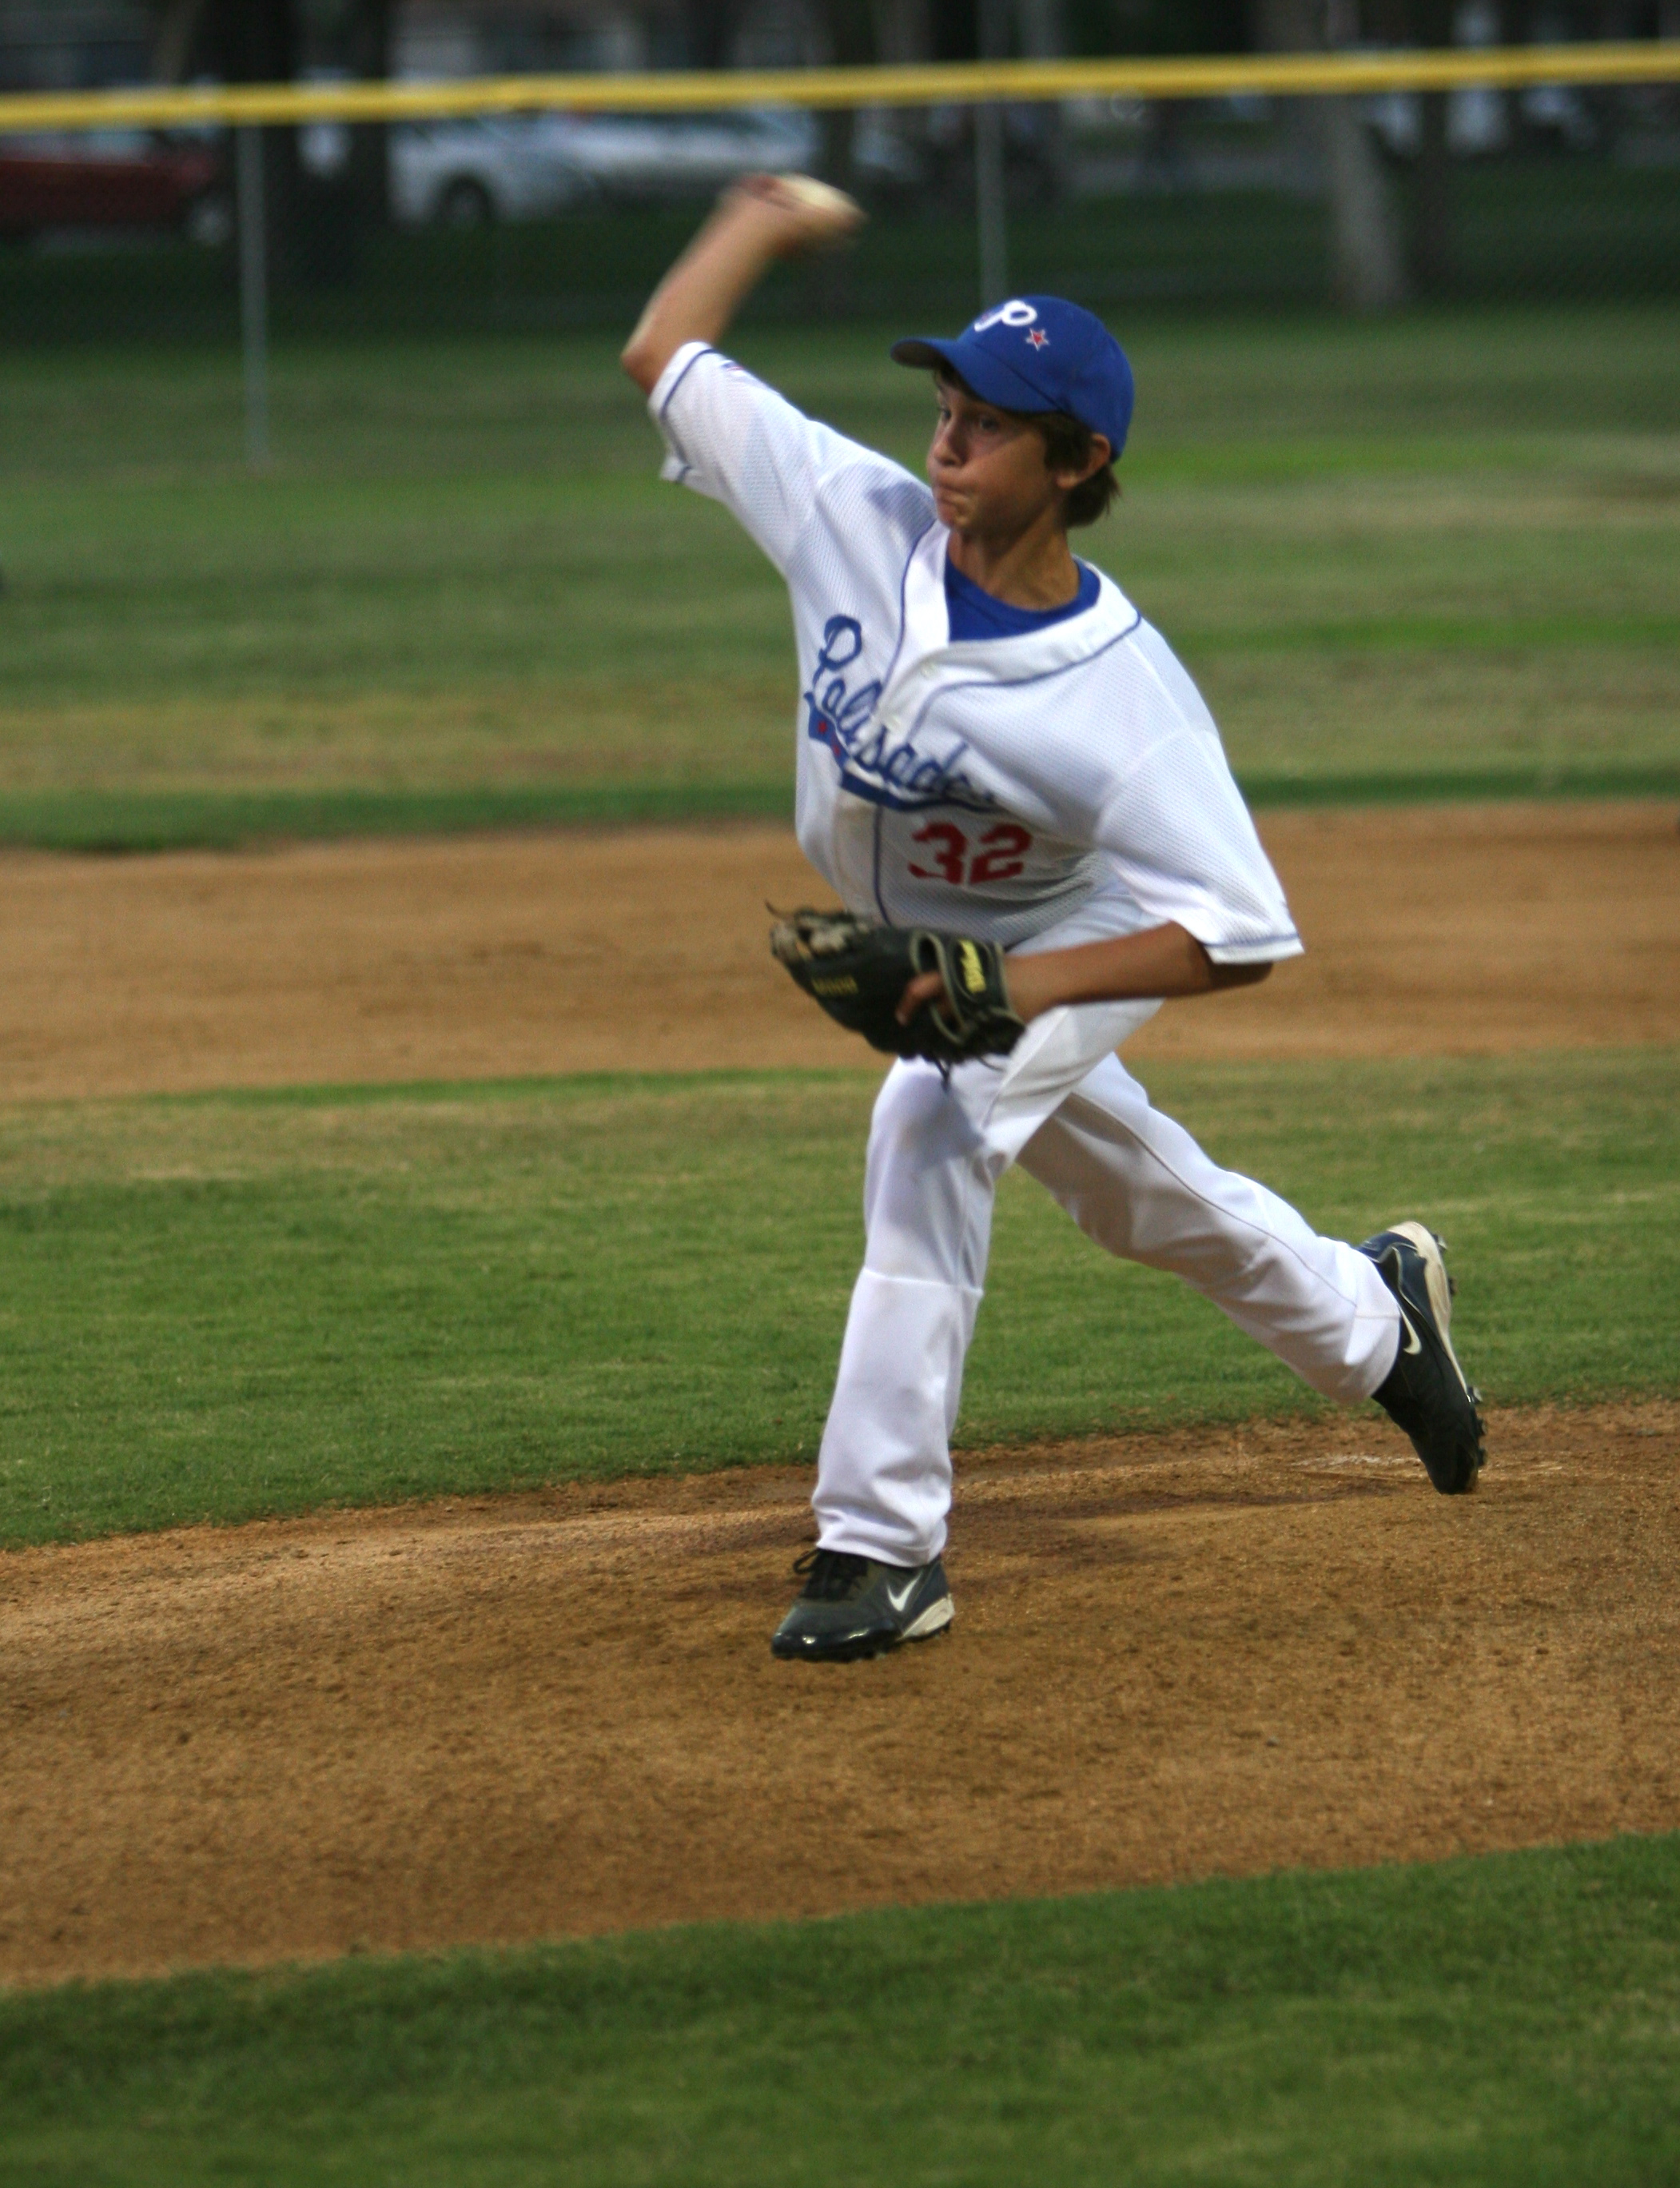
x: 1023, y: 802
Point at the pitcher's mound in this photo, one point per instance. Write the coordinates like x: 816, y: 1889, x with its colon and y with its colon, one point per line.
x: 1224, y: 1651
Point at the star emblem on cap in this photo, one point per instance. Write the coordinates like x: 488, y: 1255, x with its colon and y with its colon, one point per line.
x: 1039, y: 338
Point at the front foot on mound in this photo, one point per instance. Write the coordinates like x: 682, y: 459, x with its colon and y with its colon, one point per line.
x: 853, y: 1606
x: 1426, y: 1393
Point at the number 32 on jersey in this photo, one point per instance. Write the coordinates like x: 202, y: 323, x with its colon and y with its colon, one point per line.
x: 998, y: 855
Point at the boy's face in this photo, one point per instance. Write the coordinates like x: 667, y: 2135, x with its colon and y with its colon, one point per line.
x: 987, y: 467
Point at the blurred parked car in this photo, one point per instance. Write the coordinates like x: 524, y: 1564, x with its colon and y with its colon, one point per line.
x: 1479, y: 120
x: 480, y: 168
x: 463, y: 173
x: 131, y: 178
x: 643, y: 156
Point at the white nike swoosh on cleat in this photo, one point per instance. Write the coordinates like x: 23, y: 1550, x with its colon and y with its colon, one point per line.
x: 899, y: 1601
x: 1409, y: 1340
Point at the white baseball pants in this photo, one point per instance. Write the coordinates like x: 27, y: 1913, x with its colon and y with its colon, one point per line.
x: 1065, y: 1107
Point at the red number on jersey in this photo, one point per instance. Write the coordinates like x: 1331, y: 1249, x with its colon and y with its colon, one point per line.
x: 948, y: 859
x: 1002, y: 861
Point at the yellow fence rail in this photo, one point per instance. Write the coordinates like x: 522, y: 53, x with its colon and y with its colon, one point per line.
x: 964, y: 83
x: 988, y: 86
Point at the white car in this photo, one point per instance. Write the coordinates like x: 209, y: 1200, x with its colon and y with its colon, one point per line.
x: 465, y: 173
x: 651, y: 155
x: 468, y: 171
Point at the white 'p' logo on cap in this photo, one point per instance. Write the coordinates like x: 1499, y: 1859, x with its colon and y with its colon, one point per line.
x: 1017, y: 312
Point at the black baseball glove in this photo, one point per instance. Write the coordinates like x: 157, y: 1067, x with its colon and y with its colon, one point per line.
x: 859, y: 974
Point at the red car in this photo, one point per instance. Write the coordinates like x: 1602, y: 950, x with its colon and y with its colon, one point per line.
x: 102, y: 178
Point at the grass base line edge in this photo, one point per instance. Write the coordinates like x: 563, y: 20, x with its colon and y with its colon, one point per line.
x: 260, y: 1988
x: 121, y: 821
x: 311, y: 1094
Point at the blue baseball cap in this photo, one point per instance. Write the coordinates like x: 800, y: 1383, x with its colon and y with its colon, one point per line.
x: 1038, y: 353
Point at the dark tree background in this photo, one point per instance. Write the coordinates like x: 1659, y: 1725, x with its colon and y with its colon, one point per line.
x: 313, y: 221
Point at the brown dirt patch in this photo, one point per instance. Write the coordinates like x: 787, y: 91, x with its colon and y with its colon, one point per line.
x: 1446, y: 930
x: 1223, y: 1652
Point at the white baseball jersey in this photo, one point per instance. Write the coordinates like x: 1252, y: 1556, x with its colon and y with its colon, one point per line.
x: 1069, y: 777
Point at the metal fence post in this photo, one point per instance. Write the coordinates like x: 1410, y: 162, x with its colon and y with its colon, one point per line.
x: 988, y: 201
x: 253, y: 295
x: 989, y: 158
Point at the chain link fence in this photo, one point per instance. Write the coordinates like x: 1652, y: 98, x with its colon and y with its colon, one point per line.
x: 493, y: 222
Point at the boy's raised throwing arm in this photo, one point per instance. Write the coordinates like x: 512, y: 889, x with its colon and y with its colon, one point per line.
x: 757, y: 221
x: 727, y: 436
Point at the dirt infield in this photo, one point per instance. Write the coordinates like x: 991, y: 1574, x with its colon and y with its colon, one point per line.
x: 1217, y: 1654
x: 1222, y: 1652
x: 1451, y: 930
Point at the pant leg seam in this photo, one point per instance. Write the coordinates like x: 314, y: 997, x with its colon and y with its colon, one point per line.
x: 1248, y: 1222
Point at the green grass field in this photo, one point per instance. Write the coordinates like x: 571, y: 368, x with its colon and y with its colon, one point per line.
x: 223, y: 1306
x: 1507, y: 2022
x: 1442, y: 550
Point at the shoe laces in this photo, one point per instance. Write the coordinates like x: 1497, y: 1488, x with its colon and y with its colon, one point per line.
x: 830, y: 1576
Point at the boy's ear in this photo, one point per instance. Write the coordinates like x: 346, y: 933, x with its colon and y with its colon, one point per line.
x: 1101, y: 454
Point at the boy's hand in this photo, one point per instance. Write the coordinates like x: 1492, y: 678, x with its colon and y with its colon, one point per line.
x: 862, y: 974
x: 812, y: 214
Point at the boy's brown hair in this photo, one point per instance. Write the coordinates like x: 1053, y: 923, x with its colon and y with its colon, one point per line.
x: 1067, y: 446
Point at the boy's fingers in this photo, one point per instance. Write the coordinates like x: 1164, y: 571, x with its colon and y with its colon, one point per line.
x: 925, y: 988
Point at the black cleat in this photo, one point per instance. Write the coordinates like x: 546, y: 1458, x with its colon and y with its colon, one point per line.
x: 1426, y: 1392
x: 852, y: 1607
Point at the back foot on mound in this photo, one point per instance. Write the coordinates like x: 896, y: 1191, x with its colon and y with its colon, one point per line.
x: 1427, y: 1393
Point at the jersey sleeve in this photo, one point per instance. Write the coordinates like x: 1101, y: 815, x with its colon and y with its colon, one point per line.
x: 1171, y: 821
x: 1183, y: 843
x: 731, y: 438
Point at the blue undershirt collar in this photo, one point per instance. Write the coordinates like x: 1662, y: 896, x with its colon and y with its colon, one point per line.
x: 976, y: 613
